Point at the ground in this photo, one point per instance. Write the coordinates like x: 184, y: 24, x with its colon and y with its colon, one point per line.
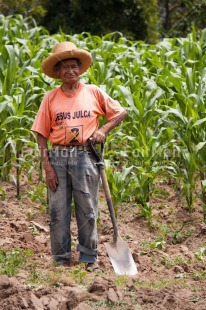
x: 170, y: 257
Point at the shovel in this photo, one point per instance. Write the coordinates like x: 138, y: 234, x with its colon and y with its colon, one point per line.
x: 117, y: 250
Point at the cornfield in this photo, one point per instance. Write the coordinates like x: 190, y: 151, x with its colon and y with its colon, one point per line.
x: 162, y: 87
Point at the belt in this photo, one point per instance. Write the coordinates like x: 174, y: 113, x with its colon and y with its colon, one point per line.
x: 71, y: 148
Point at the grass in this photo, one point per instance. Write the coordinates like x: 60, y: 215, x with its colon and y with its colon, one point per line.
x: 110, y: 305
x: 118, y: 305
x: 160, y: 283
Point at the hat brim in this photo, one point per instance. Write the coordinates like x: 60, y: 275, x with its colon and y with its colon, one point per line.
x: 49, y: 63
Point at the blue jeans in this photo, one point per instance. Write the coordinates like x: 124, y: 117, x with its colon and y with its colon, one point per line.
x: 78, y: 177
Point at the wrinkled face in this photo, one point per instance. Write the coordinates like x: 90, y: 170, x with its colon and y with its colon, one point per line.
x: 68, y: 71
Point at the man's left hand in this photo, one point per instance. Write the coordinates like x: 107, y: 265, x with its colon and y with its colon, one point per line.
x: 98, y: 136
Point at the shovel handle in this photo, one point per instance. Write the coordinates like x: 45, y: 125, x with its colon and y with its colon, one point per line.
x: 100, y: 165
x: 109, y: 203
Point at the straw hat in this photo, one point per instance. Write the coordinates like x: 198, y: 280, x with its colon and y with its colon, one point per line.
x: 63, y: 51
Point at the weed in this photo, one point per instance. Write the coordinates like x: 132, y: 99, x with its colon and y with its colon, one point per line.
x: 169, y: 262
x: 12, y: 260
x: 199, y: 275
x: 43, y: 209
x: 3, y: 193
x: 153, y: 223
x: 145, y: 246
x: 165, y: 206
x: 79, y: 274
x: 161, y: 283
x: 57, y: 284
x: 34, y: 230
x: 181, y: 276
x: 158, y: 243
x: 148, y: 245
x: 35, y: 275
x: 182, y: 236
x: 194, y: 299
x: 44, y: 277
x: 107, y: 304
x: 146, y: 211
x: 200, y: 254
x: 38, y: 193
x: 177, y: 235
x: 122, y: 281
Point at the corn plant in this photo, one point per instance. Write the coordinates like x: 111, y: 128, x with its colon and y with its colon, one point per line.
x: 185, y: 113
x: 119, y: 183
x: 20, y: 95
x: 161, y: 86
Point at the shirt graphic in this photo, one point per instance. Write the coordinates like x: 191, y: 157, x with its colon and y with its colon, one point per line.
x: 74, y: 134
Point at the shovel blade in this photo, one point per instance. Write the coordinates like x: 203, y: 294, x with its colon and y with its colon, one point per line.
x: 121, y: 258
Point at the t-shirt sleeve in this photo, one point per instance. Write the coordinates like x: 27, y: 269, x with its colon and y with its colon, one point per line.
x: 110, y: 107
x: 42, y: 122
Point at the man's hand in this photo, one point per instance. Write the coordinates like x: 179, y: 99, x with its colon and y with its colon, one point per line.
x: 51, y: 178
x: 98, y: 136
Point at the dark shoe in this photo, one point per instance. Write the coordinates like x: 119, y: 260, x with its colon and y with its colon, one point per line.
x: 92, y: 267
x: 67, y: 264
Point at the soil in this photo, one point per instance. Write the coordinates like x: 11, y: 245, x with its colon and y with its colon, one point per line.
x: 171, y: 269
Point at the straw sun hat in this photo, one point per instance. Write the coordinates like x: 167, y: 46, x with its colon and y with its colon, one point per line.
x: 63, y: 51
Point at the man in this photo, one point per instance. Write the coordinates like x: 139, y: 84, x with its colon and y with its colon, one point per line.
x: 68, y: 117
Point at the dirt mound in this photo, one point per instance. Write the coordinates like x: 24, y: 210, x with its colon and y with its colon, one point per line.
x: 169, y: 256
x: 14, y: 296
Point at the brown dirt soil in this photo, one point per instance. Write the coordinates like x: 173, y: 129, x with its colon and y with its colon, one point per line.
x: 169, y: 274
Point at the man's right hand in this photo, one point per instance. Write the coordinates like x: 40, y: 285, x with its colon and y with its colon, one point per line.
x: 51, y: 178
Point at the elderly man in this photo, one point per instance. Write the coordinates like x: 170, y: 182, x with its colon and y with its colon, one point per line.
x: 68, y: 116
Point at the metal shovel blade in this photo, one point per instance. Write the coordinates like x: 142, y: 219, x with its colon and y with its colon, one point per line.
x: 118, y: 250
x: 121, y: 258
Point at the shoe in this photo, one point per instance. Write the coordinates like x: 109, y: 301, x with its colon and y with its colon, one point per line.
x: 67, y: 264
x: 92, y: 267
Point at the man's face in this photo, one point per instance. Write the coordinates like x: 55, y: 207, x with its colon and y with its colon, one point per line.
x: 68, y: 71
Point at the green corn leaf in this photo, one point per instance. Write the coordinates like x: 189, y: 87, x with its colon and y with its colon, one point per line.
x: 11, y: 69
x: 199, y: 146
x: 199, y: 122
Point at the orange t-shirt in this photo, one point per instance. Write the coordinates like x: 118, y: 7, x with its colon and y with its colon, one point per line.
x: 73, y: 119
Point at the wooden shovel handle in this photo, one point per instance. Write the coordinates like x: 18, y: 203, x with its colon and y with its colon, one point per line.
x: 100, y: 165
x: 109, y: 202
